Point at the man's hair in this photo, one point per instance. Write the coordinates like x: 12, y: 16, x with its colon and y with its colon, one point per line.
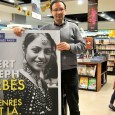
x: 56, y: 1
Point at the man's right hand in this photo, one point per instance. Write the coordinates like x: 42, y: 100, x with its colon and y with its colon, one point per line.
x: 18, y: 30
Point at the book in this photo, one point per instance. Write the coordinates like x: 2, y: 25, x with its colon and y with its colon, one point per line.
x: 89, y: 43
x: 83, y: 82
x: 92, y: 83
x: 91, y: 70
x: 81, y: 69
x: 101, y: 41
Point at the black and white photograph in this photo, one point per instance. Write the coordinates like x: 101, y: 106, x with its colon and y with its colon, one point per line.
x: 30, y: 73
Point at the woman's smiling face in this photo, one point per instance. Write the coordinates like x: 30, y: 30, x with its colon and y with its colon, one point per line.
x: 38, y: 53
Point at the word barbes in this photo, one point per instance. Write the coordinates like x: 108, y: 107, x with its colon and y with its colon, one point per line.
x: 12, y: 84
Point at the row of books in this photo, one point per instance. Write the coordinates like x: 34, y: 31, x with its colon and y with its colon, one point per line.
x: 87, y: 83
x: 110, y: 69
x: 107, y: 47
x: 110, y: 63
x: 105, y: 41
x: 89, y: 70
x: 107, y: 52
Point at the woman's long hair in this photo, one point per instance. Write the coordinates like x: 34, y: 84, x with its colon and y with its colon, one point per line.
x: 51, y: 69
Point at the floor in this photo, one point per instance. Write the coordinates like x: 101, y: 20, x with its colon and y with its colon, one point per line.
x: 96, y: 103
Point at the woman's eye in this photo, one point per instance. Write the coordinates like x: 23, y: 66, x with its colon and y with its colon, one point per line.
x: 47, y: 51
x: 35, y: 50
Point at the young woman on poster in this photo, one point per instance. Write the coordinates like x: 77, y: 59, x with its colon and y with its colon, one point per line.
x: 39, y: 67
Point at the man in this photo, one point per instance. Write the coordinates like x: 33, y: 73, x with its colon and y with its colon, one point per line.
x: 71, y: 44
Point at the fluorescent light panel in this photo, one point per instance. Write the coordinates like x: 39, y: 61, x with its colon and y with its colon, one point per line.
x: 107, y: 17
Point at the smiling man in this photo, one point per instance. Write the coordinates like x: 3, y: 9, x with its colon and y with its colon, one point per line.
x: 71, y: 44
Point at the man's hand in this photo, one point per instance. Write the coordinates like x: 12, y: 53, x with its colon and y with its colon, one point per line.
x: 18, y: 30
x: 63, y: 46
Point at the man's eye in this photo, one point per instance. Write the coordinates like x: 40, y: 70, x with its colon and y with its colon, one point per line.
x: 47, y: 51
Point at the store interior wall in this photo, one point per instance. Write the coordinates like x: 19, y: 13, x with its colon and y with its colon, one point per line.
x: 18, y: 19
x: 103, y: 5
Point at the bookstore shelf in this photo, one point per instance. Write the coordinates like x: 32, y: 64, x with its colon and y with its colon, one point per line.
x: 107, y: 46
x: 92, y: 75
x: 104, y: 43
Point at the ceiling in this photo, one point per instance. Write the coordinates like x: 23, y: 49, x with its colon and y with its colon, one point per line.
x: 13, y: 2
x: 82, y: 17
x: 77, y: 13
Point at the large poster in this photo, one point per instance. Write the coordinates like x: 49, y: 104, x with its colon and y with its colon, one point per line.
x: 30, y: 80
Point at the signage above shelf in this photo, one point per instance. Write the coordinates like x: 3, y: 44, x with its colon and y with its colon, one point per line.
x: 101, y: 33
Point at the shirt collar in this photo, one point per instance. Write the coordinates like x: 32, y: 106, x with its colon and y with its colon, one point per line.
x: 61, y: 24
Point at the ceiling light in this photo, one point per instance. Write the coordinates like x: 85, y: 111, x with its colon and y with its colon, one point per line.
x: 102, y: 14
x: 80, y: 2
x: 106, y: 16
x: 112, y: 20
x: 11, y: 1
x: 24, y: 8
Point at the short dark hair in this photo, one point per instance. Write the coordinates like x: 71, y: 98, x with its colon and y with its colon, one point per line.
x: 56, y: 1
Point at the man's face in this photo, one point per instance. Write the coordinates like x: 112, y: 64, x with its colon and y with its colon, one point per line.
x: 58, y: 11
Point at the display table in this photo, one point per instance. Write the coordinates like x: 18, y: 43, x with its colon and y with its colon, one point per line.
x: 92, y: 75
